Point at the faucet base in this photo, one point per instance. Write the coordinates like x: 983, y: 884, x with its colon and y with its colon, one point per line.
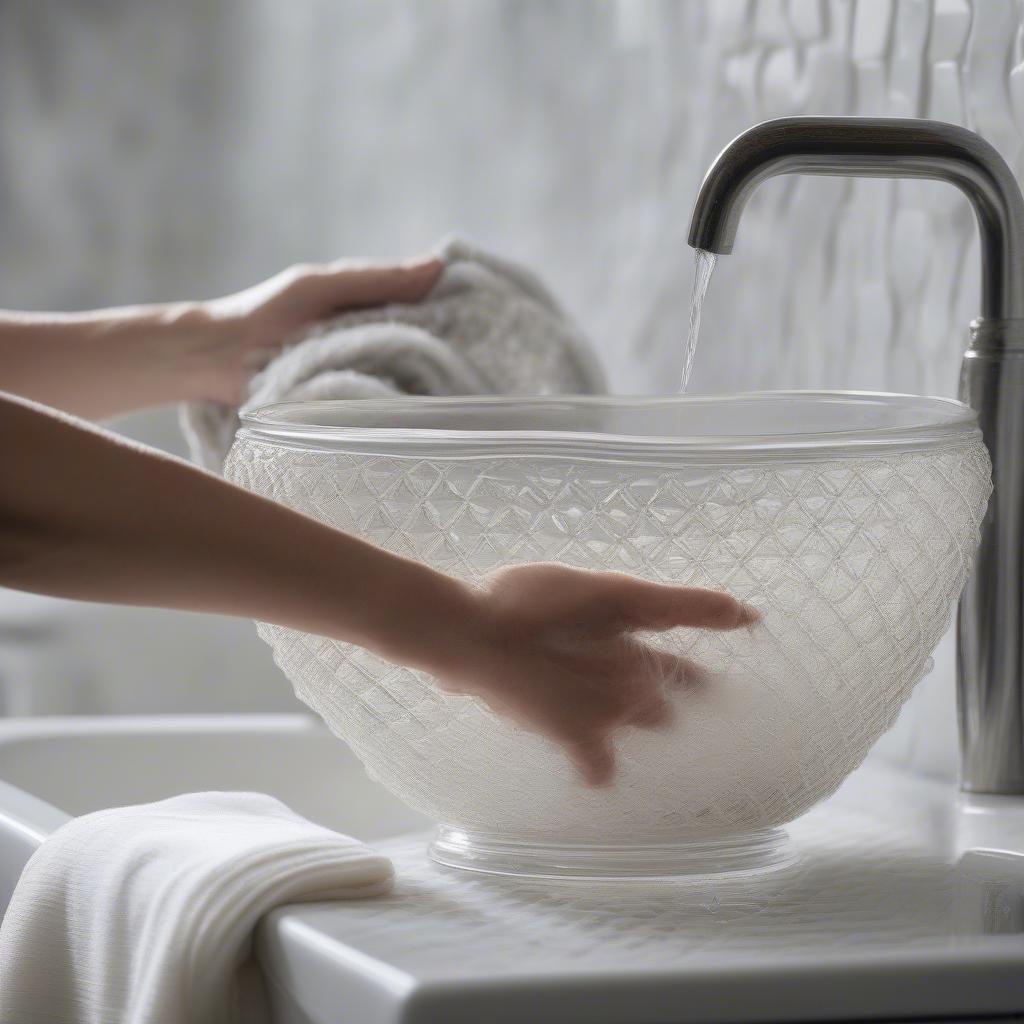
x: 990, y: 649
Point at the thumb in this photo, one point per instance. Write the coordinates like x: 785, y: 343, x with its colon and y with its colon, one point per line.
x: 345, y: 286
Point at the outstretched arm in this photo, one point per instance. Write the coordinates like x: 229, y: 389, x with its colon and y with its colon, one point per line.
x: 84, y: 514
x: 112, y: 361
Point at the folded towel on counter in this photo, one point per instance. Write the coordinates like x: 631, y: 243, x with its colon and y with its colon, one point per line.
x: 145, y: 914
x: 487, y: 327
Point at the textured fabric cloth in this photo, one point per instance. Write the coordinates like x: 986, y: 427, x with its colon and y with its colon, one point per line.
x: 145, y: 914
x: 488, y: 326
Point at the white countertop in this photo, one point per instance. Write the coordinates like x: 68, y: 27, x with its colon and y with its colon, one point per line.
x: 886, y: 914
x: 906, y: 900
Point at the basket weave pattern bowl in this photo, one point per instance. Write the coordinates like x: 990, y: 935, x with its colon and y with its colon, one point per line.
x: 855, y: 547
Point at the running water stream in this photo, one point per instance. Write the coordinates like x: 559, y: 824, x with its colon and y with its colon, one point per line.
x: 704, y: 266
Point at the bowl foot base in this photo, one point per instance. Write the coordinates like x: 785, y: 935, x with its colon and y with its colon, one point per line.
x: 645, y: 858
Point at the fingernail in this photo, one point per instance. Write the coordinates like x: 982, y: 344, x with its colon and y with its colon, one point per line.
x: 749, y: 615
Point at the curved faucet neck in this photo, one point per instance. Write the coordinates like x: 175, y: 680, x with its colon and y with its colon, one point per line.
x: 870, y: 147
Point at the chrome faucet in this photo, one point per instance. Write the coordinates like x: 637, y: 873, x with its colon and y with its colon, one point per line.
x: 990, y: 652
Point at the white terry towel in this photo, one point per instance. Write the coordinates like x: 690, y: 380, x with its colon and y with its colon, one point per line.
x: 488, y: 326
x: 145, y: 914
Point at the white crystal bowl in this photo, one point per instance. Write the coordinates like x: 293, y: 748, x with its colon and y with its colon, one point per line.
x: 849, y: 519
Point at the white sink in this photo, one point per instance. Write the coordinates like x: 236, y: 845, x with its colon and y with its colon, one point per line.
x: 907, y: 900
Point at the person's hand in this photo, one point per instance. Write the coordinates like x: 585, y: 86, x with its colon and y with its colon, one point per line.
x: 108, y: 362
x: 554, y: 648
x: 252, y: 325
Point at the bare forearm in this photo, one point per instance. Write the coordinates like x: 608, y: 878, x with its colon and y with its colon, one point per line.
x: 111, y: 361
x: 87, y: 516
x: 106, y: 362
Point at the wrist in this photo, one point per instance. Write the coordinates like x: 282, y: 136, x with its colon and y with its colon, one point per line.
x: 191, y: 350
x: 167, y: 348
x: 428, y: 620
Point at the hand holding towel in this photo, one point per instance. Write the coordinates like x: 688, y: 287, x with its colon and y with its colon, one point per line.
x: 145, y: 914
x: 488, y: 326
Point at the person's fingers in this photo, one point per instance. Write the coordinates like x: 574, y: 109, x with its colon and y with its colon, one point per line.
x: 256, y: 358
x: 672, y: 670
x: 341, y: 286
x: 690, y: 674
x: 656, y: 714
x: 662, y: 606
x: 594, y: 760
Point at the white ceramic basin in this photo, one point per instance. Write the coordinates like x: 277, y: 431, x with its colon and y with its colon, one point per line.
x: 906, y: 902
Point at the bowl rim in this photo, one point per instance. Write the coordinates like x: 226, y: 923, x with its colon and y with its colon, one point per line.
x: 942, y: 422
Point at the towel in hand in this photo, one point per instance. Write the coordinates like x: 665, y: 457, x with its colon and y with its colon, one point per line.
x: 145, y: 914
x: 487, y: 327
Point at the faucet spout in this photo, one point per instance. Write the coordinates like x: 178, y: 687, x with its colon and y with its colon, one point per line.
x: 870, y: 147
